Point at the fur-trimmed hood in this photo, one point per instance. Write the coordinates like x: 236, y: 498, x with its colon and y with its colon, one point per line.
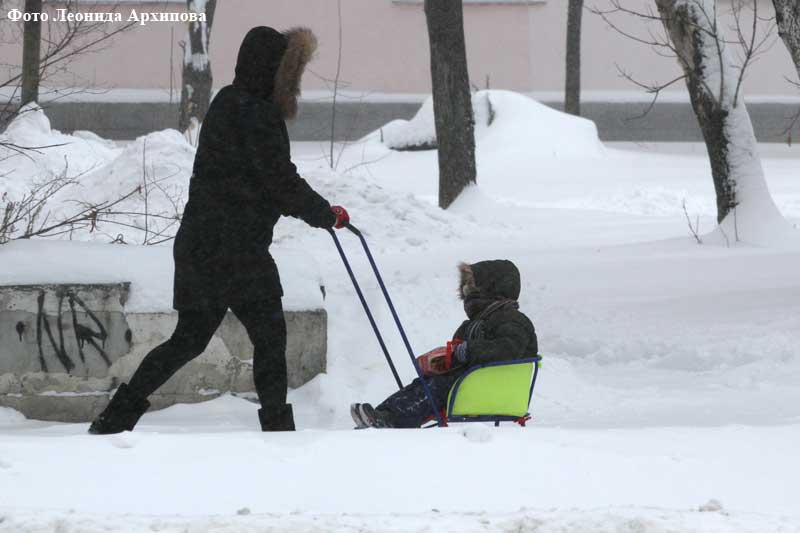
x: 271, y: 65
x: 490, y: 280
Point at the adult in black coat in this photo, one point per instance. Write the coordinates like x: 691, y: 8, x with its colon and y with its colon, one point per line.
x: 243, y: 181
x: 495, y: 330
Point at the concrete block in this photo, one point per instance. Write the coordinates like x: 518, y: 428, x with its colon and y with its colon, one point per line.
x: 64, y: 348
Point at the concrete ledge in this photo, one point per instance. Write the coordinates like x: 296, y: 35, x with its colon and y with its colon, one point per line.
x: 63, y: 348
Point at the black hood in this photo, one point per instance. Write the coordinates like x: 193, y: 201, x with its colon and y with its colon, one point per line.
x: 271, y: 65
x: 490, y: 280
x: 259, y: 58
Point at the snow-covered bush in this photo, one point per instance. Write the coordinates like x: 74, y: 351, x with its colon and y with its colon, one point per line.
x: 84, y: 187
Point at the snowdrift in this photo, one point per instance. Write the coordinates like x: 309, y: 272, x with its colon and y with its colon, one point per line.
x: 504, y: 121
x: 51, y: 153
x: 152, y: 173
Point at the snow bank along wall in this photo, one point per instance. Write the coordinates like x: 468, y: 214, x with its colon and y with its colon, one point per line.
x: 64, y: 347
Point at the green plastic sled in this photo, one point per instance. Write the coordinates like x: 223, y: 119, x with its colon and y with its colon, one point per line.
x: 495, y: 392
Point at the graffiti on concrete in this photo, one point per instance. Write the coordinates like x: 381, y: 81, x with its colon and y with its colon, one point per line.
x: 83, y: 334
x: 73, y: 329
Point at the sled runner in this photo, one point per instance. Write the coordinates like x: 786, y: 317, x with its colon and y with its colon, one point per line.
x: 494, y: 392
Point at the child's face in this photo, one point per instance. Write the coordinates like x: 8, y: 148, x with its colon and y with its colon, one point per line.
x: 468, y: 291
x: 474, y: 305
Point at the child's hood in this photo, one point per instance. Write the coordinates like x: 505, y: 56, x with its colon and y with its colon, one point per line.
x: 498, y: 279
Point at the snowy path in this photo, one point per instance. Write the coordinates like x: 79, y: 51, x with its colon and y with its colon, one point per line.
x: 196, y: 461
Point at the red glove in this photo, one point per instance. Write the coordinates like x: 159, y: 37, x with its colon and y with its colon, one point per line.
x: 439, y: 360
x: 342, y: 217
x: 434, y: 358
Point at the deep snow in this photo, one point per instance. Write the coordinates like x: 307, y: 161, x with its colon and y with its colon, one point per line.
x: 670, y: 374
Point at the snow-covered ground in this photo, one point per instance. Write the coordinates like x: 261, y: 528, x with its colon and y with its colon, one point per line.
x: 668, y: 400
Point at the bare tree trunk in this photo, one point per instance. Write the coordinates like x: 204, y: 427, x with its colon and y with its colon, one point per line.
x: 692, y: 37
x: 572, y: 92
x: 452, y: 101
x: 787, y: 14
x: 745, y: 209
x: 31, y: 53
x: 197, y: 78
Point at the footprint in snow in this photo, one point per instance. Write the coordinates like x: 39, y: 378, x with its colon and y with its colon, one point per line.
x: 477, y: 433
x: 124, y: 441
x: 712, y: 506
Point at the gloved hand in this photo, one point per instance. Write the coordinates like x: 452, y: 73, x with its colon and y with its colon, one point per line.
x: 342, y: 217
x: 439, y: 360
x: 460, y: 356
x: 434, y: 358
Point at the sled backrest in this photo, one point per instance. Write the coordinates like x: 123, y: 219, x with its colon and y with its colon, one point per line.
x: 494, y: 391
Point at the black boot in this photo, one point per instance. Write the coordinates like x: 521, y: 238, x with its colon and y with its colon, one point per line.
x: 276, y: 418
x: 121, y: 413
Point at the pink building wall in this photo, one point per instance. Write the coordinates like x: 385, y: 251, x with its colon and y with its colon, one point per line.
x: 385, y: 48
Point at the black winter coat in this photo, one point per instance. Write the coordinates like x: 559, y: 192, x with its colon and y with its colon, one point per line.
x: 504, y: 335
x: 243, y: 181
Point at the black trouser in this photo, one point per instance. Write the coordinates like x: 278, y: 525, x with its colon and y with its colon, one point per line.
x: 266, y: 328
x: 410, y: 406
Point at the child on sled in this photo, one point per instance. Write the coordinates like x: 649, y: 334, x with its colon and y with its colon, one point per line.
x: 495, y: 330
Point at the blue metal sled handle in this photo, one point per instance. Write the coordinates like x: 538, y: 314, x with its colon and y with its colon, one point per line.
x: 366, y: 308
x: 400, y: 328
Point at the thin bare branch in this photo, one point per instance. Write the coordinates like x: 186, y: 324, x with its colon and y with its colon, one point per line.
x: 694, y: 229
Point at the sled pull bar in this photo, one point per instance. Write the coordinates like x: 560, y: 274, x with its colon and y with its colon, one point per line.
x: 440, y: 421
x: 366, y: 308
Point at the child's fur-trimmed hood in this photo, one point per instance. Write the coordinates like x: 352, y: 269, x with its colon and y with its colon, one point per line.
x: 492, y: 280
